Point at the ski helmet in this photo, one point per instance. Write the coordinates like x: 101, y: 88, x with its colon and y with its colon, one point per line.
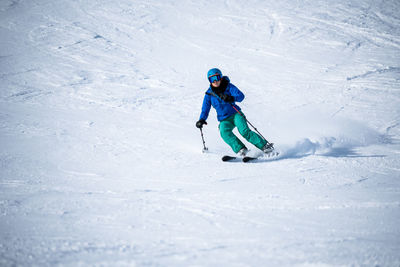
x: 214, y: 75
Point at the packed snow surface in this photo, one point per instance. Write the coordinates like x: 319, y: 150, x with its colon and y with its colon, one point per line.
x: 101, y: 162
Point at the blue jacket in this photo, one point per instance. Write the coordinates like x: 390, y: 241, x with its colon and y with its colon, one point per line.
x: 224, y: 109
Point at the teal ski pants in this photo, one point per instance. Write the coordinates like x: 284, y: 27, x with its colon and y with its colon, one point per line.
x: 237, y: 120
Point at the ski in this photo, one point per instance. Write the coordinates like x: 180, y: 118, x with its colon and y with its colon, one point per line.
x: 231, y: 158
x: 247, y: 159
x: 270, y: 155
x: 228, y: 158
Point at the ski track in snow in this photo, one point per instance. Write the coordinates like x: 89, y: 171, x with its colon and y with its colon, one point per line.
x: 101, y: 163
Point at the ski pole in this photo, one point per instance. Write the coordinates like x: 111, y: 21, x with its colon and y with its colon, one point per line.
x: 204, y: 143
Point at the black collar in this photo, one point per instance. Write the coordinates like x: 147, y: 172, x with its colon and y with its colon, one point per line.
x: 221, y: 88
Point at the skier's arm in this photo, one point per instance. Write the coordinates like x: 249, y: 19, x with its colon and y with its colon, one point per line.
x: 205, y: 110
x: 236, y: 93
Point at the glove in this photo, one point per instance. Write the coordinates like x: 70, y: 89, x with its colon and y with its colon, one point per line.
x: 228, y: 98
x: 200, y: 123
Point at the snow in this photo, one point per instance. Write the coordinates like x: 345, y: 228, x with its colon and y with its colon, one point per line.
x: 101, y: 163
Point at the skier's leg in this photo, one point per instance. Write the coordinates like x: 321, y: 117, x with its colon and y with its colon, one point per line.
x: 225, y: 128
x: 247, y: 133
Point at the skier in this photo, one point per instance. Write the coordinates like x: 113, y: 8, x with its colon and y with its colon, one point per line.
x: 222, y: 95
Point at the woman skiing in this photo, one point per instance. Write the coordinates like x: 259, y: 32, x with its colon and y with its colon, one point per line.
x: 222, y: 95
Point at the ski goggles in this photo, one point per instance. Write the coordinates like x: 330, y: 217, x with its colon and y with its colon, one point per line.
x: 214, y: 78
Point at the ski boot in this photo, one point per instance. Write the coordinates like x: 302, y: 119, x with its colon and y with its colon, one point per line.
x: 268, y: 149
x: 243, y: 152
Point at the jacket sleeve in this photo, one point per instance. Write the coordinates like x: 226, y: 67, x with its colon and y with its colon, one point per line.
x: 236, y: 93
x: 205, y: 110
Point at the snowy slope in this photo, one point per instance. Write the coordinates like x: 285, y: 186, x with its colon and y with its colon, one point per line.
x: 101, y: 163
